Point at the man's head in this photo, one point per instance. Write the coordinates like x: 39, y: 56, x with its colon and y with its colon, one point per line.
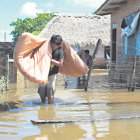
x: 56, y: 41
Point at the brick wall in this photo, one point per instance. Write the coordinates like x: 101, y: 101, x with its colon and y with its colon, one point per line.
x: 131, y: 7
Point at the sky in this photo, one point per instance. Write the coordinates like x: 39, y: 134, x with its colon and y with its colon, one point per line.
x: 10, y: 10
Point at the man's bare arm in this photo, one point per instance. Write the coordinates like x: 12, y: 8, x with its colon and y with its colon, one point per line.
x: 57, y: 63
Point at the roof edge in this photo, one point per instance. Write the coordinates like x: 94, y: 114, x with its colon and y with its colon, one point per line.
x: 96, y: 12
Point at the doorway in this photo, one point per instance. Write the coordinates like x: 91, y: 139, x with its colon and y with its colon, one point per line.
x: 113, y: 58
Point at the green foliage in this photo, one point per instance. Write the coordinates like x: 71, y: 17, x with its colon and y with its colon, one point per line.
x: 35, y: 25
x: 3, y: 83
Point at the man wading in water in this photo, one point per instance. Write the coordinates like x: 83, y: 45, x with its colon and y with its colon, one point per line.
x: 48, y: 90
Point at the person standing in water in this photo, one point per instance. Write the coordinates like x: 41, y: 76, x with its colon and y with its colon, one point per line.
x: 84, y: 55
x: 49, y: 89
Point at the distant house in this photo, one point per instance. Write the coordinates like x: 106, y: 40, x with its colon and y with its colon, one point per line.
x: 81, y: 32
x: 125, y: 31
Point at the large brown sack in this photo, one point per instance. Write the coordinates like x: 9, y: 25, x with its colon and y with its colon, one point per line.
x: 73, y: 65
x: 32, y: 56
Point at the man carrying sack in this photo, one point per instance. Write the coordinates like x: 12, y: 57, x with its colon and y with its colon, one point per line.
x: 48, y: 89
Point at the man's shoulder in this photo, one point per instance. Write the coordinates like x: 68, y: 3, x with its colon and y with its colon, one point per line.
x: 60, y: 49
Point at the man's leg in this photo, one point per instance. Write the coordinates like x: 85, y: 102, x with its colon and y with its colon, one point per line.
x: 42, y: 92
x: 79, y: 80
x: 51, y: 87
x: 83, y: 78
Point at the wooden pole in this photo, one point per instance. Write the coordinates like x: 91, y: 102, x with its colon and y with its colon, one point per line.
x: 5, y: 37
x: 132, y: 82
x: 92, y: 62
x: 7, y: 76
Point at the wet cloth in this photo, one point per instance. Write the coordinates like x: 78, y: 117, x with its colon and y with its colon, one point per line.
x: 130, y: 30
x: 49, y: 89
x: 32, y: 57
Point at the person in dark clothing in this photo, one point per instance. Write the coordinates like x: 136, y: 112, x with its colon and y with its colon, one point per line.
x: 84, y: 55
x: 88, y: 57
x: 48, y: 90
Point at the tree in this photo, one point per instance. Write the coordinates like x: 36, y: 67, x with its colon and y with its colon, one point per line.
x: 34, y: 26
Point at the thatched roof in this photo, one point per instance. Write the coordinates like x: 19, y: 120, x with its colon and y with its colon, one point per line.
x: 79, y: 30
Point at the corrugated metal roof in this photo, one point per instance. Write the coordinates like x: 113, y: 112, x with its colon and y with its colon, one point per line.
x: 109, y: 6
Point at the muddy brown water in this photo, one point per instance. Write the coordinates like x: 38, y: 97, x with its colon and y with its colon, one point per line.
x: 98, y: 114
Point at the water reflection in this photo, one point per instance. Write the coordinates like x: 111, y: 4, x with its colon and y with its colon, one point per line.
x: 56, y: 131
x: 101, y: 114
x: 74, y: 83
x: 47, y: 113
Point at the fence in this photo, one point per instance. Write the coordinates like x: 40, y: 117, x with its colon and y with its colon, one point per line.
x: 125, y: 73
x: 121, y: 74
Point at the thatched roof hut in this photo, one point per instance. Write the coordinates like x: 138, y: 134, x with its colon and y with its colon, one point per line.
x: 79, y: 30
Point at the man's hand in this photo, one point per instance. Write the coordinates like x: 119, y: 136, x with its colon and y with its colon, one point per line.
x: 57, y: 63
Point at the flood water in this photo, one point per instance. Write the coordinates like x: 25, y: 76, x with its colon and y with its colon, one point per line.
x: 100, y: 114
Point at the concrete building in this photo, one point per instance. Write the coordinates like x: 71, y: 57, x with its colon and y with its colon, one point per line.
x: 125, y: 36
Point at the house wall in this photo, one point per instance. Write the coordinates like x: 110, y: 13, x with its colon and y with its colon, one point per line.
x: 132, y: 6
x: 122, y: 71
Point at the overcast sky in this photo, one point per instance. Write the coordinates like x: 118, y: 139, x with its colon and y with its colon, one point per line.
x: 10, y: 10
